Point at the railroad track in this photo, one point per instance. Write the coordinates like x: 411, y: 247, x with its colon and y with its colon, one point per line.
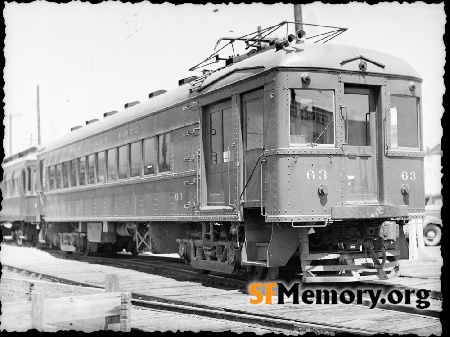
x: 166, y: 266
x: 179, y: 289
x: 271, y: 324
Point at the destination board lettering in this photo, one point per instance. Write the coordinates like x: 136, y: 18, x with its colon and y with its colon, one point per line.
x: 96, y: 142
x: 126, y: 133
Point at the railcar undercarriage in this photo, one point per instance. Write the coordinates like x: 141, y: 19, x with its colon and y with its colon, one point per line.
x: 340, y: 252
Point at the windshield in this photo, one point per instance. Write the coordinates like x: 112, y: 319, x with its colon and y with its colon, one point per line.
x: 311, y: 117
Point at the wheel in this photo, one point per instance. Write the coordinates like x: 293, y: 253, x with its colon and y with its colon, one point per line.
x: 432, y: 235
x: 255, y: 273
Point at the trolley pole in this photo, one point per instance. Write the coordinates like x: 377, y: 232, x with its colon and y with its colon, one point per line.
x: 298, y: 18
x: 38, y: 117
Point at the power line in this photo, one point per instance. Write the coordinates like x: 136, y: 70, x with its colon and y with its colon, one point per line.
x: 89, y: 59
x: 117, y: 48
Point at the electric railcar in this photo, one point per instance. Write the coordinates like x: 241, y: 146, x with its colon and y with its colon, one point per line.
x: 294, y: 154
x: 19, y: 203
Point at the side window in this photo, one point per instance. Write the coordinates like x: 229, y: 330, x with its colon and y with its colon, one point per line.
x: 15, y: 183
x: 24, y: 181
x: 101, y: 167
x: 42, y: 175
x: 58, y: 175
x: 123, y: 162
x: 35, y: 182
x: 164, y: 152
x: 73, y: 173
x: 82, y: 171
x: 51, y: 177
x: 136, y: 159
x: 65, y: 174
x: 149, y: 156
x: 91, y: 169
x: 29, y: 179
x: 112, y: 164
x: 253, y: 107
x: 404, y: 122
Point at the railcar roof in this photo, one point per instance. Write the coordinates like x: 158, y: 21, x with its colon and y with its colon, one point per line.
x: 324, y: 56
x: 311, y: 56
x: 32, y: 157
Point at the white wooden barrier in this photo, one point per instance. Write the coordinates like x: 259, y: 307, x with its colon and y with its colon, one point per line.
x: 114, y: 306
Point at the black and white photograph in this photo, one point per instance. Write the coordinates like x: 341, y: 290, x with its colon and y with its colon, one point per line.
x: 246, y: 168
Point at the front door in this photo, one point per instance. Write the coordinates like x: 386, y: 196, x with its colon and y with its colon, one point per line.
x: 219, y: 155
x: 359, y: 108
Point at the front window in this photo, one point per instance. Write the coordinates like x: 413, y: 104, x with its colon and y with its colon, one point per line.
x: 404, y: 122
x: 311, y: 117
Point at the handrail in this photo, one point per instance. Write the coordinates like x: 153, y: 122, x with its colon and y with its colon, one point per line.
x: 261, y: 165
x: 197, y: 176
x: 228, y: 172
x: 346, y: 122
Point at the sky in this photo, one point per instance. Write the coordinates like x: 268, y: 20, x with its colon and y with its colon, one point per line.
x: 90, y: 59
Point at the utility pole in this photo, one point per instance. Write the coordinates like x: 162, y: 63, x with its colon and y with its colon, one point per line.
x: 38, y: 118
x: 31, y: 140
x: 298, y: 18
x: 10, y: 132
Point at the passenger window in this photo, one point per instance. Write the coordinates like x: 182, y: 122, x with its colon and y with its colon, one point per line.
x: 65, y: 174
x: 91, y: 169
x: 112, y: 164
x: 404, y: 122
x: 101, y: 168
x: 311, y: 116
x: 149, y: 156
x: 164, y: 152
x: 358, y: 117
x: 123, y: 162
x: 51, y: 177
x: 42, y: 174
x: 29, y: 179
x: 82, y: 171
x: 73, y: 173
x: 15, y: 183
x: 34, y: 180
x: 136, y: 159
x: 58, y: 174
x: 254, y: 112
x: 24, y: 181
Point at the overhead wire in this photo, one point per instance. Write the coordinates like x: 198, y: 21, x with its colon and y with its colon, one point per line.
x: 89, y: 59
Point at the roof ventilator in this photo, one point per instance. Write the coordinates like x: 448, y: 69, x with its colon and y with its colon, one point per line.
x: 91, y: 121
x: 156, y: 93
x: 76, y: 127
x: 129, y: 105
x: 106, y: 114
